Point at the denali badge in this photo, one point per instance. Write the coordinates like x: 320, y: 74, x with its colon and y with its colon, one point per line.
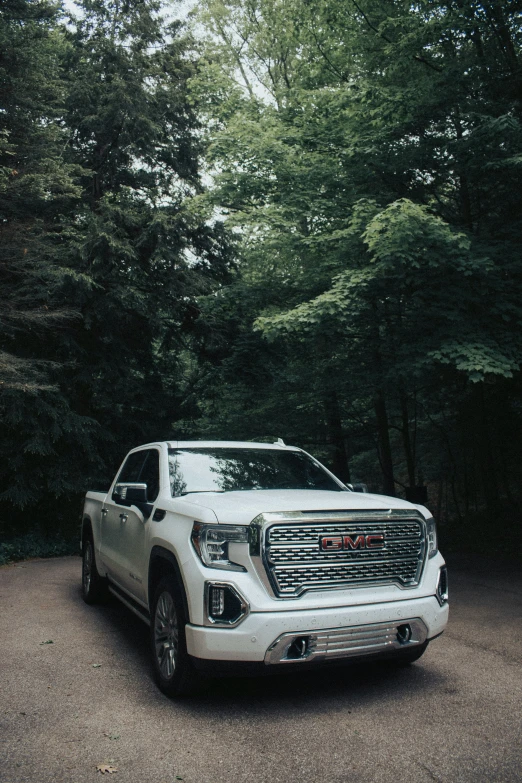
x: 355, y: 541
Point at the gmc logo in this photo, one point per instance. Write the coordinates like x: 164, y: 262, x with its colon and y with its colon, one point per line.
x: 356, y: 541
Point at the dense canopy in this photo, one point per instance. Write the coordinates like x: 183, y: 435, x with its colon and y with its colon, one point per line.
x: 270, y: 219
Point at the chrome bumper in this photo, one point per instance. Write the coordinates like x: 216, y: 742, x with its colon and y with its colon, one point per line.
x: 261, y: 631
x: 357, y: 640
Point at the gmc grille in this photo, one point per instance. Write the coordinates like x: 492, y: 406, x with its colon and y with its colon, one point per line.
x: 295, y: 562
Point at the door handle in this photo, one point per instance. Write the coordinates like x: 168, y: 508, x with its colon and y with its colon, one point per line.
x: 104, y: 511
x: 124, y: 517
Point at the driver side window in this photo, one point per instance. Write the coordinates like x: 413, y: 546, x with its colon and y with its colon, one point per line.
x: 132, y: 468
x: 142, y: 467
x: 149, y: 475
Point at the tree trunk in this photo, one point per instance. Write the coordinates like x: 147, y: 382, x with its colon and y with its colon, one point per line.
x: 406, y: 440
x: 383, y: 433
x: 484, y: 450
x: 336, y: 437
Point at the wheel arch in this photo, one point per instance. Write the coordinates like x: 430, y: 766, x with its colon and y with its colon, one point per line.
x: 86, y: 527
x: 162, y: 563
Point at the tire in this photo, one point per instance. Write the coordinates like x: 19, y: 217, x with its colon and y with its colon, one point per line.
x: 406, y: 657
x: 94, y: 587
x: 173, y: 669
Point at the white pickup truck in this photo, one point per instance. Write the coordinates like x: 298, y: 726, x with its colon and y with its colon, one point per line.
x: 254, y: 556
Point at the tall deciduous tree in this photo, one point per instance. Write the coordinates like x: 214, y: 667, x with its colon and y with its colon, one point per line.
x: 370, y: 152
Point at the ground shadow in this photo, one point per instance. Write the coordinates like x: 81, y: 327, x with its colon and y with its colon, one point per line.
x: 312, y: 691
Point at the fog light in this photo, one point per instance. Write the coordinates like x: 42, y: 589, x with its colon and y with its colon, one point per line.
x: 404, y: 633
x: 217, y: 601
x: 298, y: 648
x: 225, y: 605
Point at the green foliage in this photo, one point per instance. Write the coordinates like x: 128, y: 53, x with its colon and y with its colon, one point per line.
x: 367, y: 155
x: 422, y: 282
x: 36, y: 186
x: 105, y: 244
x: 35, y: 545
x: 365, y: 160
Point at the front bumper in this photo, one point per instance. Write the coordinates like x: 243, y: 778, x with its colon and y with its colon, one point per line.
x: 256, y: 638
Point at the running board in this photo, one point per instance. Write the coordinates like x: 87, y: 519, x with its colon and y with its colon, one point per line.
x: 130, y: 603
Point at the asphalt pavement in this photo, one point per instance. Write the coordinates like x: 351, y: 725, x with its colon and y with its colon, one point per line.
x: 76, y: 693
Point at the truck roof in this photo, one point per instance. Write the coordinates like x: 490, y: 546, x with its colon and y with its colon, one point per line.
x: 217, y: 444
x: 228, y: 444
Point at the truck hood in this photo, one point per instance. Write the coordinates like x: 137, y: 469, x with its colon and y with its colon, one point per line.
x: 240, y: 508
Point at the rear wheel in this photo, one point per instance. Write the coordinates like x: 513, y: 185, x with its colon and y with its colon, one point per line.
x: 173, y: 669
x: 94, y: 586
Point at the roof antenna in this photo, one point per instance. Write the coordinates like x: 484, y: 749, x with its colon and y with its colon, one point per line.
x: 280, y: 442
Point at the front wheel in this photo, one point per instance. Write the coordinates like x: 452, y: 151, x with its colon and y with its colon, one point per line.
x: 94, y: 586
x: 405, y: 657
x: 173, y: 669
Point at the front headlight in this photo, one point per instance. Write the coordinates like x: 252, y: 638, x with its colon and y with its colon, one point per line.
x: 431, y: 535
x: 211, y: 542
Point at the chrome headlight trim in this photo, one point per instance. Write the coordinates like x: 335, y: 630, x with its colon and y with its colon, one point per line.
x: 431, y: 537
x: 211, y: 543
x: 244, y: 606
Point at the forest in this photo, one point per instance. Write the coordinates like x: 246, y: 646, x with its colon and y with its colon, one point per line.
x: 262, y: 219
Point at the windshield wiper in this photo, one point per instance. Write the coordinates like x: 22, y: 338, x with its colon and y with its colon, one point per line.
x: 194, y: 491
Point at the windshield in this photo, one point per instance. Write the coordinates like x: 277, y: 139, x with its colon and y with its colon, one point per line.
x: 232, y: 470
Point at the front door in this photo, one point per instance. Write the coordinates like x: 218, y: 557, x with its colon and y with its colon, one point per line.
x: 124, y: 528
x: 124, y: 536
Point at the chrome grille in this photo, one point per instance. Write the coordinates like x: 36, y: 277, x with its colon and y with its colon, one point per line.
x: 295, y: 563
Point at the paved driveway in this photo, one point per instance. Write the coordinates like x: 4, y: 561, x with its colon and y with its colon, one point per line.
x: 88, y: 698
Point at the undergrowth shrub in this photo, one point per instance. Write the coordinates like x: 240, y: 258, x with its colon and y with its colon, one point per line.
x: 35, y: 545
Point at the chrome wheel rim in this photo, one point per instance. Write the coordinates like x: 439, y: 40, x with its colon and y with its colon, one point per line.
x: 166, y: 635
x: 87, y: 567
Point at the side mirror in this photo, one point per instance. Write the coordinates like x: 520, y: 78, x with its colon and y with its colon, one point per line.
x: 360, y: 487
x: 130, y: 494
